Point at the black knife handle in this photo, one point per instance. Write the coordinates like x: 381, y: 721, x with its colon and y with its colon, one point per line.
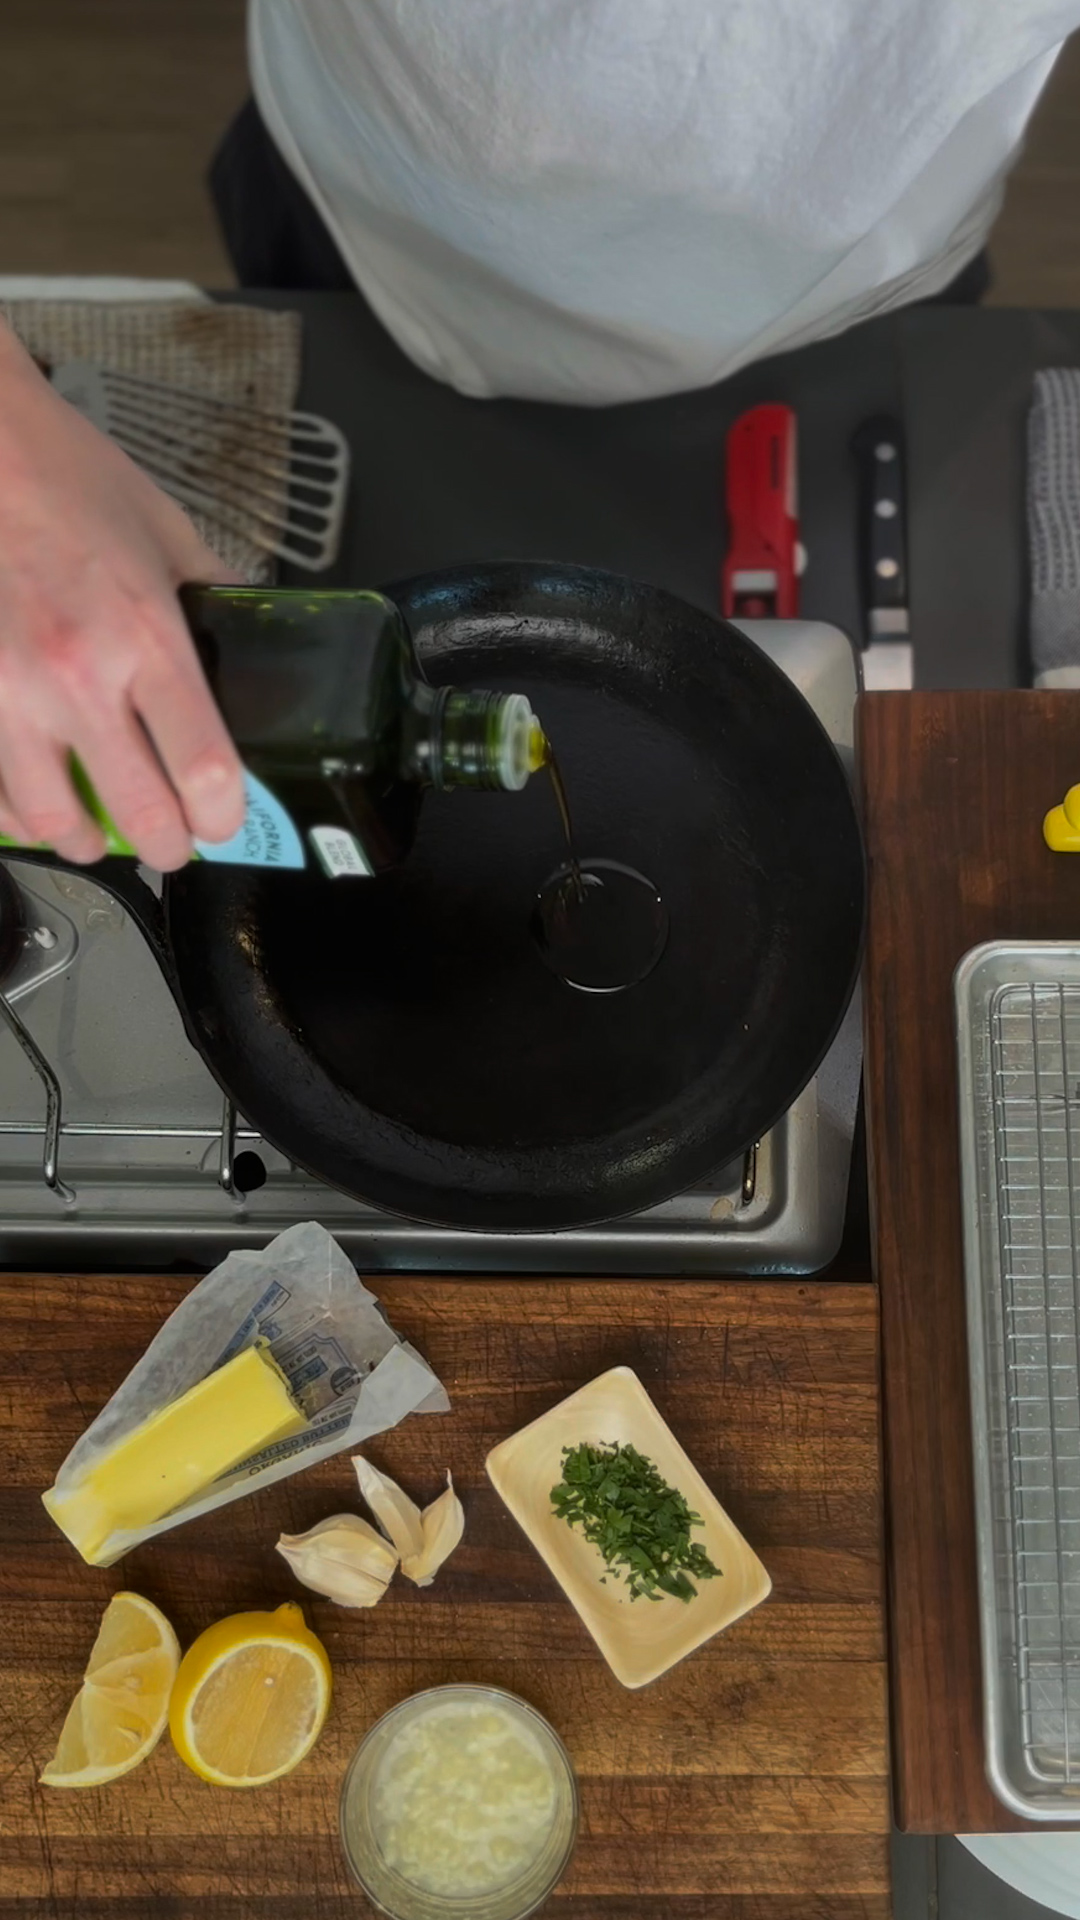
x: 878, y: 446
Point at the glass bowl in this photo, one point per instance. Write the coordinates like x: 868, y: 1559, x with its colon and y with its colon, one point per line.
x: 386, y: 1886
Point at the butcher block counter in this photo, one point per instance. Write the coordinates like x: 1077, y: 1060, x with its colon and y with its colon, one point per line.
x: 747, y: 1784
x: 955, y: 787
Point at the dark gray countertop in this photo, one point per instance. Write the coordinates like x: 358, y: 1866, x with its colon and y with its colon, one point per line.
x: 440, y: 479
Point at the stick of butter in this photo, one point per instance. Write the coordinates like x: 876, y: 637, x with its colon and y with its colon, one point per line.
x: 172, y: 1457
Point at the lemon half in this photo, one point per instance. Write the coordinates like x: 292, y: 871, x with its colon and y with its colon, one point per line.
x: 120, y: 1711
x: 250, y: 1698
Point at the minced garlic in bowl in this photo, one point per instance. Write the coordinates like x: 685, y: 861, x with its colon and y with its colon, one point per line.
x: 460, y: 1801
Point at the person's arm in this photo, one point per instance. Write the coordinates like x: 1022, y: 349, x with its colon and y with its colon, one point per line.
x: 95, y: 656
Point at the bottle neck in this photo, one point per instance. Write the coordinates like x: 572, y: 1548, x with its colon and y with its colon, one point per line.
x: 461, y: 738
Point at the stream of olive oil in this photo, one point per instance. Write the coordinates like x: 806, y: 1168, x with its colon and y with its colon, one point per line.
x: 558, y: 788
x: 600, y: 925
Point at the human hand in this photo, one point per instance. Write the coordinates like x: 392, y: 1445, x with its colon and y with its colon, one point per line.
x: 95, y: 655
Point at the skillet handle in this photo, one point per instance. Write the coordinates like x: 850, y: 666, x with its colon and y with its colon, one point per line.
x: 122, y: 881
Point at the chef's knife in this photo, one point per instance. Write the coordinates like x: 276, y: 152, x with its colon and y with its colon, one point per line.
x: 878, y: 446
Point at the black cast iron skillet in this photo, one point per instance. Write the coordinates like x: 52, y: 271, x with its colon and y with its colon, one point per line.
x: 403, y: 1039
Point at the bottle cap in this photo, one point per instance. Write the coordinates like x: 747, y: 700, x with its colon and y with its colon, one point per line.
x: 517, y: 742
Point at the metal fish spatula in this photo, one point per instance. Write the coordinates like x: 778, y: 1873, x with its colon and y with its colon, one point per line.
x: 279, y: 479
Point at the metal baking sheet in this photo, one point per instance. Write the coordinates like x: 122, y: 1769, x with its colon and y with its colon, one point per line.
x: 1018, y: 1042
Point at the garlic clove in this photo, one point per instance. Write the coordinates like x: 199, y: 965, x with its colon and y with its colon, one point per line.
x: 442, y: 1525
x: 343, y: 1558
x: 347, y: 1533
x: 393, y: 1509
x: 346, y: 1586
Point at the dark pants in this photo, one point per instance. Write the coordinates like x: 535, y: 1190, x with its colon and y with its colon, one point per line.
x: 276, y: 238
x: 273, y: 235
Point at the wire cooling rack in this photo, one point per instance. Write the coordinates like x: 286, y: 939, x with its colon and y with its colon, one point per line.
x: 1019, y: 1050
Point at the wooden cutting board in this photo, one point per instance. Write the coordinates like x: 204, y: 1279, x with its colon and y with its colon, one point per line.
x: 747, y: 1784
x: 955, y: 787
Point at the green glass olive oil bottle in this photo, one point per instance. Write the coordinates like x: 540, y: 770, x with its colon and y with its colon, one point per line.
x: 339, y: 732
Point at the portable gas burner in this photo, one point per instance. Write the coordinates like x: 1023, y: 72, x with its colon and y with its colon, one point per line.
x: 116, y: 1145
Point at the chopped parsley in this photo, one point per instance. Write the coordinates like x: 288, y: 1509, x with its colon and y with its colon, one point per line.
x: 640, y: 1524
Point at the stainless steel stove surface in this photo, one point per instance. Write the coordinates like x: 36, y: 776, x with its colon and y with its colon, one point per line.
x: 116, y: 1146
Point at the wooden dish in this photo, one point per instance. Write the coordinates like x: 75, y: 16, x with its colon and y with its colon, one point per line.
x: 639, y: 1639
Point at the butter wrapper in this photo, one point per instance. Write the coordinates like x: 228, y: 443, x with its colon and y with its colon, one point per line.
x: 349, y: 1372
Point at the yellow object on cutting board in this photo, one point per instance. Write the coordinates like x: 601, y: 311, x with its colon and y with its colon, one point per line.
x: 250, y: 1698
x: 175, y: 1455
x: 121, y: 1710
x: 1061, y: 827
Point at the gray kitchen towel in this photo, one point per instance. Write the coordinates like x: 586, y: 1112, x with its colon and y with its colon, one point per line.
x: 1053, y: 512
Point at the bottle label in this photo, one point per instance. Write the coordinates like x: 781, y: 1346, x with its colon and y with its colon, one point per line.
x: 340, y: 853
x: 268, y: 837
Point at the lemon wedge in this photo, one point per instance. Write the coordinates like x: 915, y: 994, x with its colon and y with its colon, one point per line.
x: 250, y: 1698
x: 120, y: 1711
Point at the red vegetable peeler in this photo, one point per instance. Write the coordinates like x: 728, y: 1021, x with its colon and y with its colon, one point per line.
x: 760, y: 575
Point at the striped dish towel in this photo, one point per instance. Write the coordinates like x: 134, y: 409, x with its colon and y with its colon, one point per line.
x: 228, y: 351
x: 1053, y: 512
